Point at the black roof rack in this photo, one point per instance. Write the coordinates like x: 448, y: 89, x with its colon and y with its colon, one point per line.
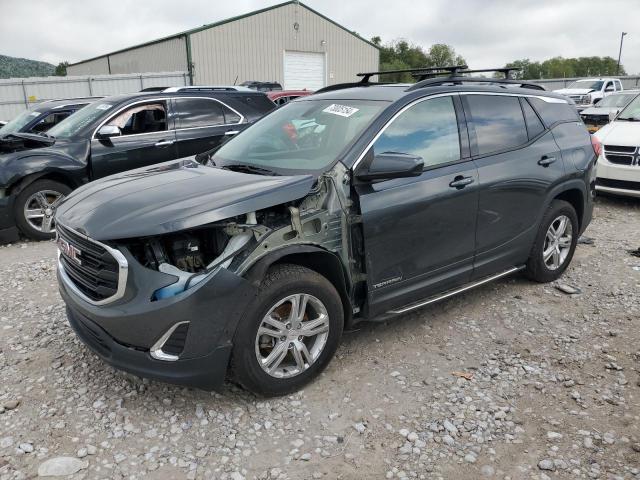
x: 433, y: 76
x: 452, y: 70
x: 432, y: 82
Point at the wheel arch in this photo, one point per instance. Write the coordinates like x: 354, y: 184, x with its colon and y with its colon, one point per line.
x: 315, y: 258
x: 54, y: 174
x: 575, y: 197
x: 572, y: 191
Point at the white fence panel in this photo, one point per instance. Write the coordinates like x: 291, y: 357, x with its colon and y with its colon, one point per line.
x: 19, y: 94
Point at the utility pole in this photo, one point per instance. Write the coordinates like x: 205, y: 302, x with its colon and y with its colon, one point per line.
x: 620, y: 52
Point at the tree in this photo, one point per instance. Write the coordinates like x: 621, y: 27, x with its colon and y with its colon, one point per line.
x: 61, y: 69
x: 559, y: 67
x: 400, y: 55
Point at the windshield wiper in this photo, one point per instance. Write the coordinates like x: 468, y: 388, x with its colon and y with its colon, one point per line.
x: 246, y: 168
x: 629, y: 119
x: 48, y: 140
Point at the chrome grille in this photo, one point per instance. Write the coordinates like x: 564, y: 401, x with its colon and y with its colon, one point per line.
x: 94, y: 271
x: 622, y: 155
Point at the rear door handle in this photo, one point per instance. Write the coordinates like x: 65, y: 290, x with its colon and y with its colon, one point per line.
x: 164, y: 143
x: 460, y: 182
x: 546, y: 161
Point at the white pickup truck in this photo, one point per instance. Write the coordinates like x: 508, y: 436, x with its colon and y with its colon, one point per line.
x: 589, y: 91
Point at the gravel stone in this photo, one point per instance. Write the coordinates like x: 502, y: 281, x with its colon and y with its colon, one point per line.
x: 457, y: 390
x: 61, y: 466
x: 546, y: 464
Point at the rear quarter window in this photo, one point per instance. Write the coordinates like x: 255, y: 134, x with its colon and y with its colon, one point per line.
x: 552, y: 113
x: 257, y: 103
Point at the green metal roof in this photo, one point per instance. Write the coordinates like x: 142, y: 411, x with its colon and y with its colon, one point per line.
x: 222, y: 22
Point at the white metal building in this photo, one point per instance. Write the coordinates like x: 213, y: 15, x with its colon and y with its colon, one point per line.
x: 289, y: 43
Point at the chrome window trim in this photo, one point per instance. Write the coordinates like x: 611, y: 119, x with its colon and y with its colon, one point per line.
x: 446, y: 94
x: 164, y: 99
x: 123, y: 272
x: 156, y: 350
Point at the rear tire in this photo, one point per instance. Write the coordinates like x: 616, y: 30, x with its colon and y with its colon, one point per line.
x: 35, y: 207
x: 555, y: 243
x: 291, y: 348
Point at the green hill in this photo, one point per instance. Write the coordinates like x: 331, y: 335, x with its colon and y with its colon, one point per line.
x: 12, y: 67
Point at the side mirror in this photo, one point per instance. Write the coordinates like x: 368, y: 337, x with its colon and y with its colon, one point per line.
x: 388, y: 165
x: 609, y: 89
x: 613, y: 114
x: 108, y: 131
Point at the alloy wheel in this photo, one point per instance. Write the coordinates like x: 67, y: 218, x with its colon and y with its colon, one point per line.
x: 292, y: 335
x: 557, y: 242
x: 40, y: 210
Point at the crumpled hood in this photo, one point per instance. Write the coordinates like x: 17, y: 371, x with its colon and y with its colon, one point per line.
x: 172, y: 196
x: 621, y: 133
x: 574, y: 91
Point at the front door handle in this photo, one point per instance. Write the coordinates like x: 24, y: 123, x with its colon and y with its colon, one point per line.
x: 232, y: 132
x: 545, y: 161
x: 164, y: 143
x: 460, y: 182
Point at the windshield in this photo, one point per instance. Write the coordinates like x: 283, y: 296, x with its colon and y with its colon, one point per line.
x: 615, y: 100
x: 302, y: 136
x: 19, y: 122
x: 589, y: 84
x: 70, y: 126
x: 632, y: 111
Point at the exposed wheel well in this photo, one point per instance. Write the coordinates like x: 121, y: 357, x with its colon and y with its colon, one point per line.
x: 576, y: 199
x: 327, y: 265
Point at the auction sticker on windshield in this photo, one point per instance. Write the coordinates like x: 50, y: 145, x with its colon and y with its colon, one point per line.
x: 104, y: 106
x: 342, y: 110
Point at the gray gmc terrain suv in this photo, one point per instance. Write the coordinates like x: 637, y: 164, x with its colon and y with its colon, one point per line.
x: 361, y: 202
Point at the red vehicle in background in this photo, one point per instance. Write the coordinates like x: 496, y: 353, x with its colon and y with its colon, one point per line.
x: 280, y: 97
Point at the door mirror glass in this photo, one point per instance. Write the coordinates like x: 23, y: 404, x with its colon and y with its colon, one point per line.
x: 388, y: 165
x: 108, y: 131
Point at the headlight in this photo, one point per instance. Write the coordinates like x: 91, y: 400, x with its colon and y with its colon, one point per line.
x: 586, y: 99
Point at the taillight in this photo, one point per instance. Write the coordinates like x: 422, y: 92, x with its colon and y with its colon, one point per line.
x: 597, y: 145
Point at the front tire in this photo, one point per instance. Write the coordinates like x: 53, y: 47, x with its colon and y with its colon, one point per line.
x: 289, y: 333
x: 555, y: 243
x: 35, y: 208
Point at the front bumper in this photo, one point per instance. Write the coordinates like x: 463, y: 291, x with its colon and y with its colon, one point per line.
x: 8, y: 229
x: 618, y: 179
x: 123, y: 332
x: 205, y: 372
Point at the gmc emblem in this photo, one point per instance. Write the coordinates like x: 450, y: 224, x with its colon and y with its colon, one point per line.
x: 69, y: 250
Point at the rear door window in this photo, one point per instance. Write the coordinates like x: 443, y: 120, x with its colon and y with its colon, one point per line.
x: 198, y: 112
x: 498, y: 122
x: 428, y: 129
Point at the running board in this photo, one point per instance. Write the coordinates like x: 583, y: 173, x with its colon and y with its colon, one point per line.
x: 451, y: 293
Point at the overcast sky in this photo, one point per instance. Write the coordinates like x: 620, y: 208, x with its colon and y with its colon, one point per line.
x: 487, y: 33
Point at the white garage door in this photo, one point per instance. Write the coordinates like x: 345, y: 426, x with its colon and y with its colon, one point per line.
x: 303, y: 70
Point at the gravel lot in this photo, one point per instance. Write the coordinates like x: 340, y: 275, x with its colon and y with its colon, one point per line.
x: 512, y: 380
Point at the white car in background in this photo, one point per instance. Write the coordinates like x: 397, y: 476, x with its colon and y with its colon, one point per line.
x: 599, y: 115
x: 589, y: 91
x: 618, y: 167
